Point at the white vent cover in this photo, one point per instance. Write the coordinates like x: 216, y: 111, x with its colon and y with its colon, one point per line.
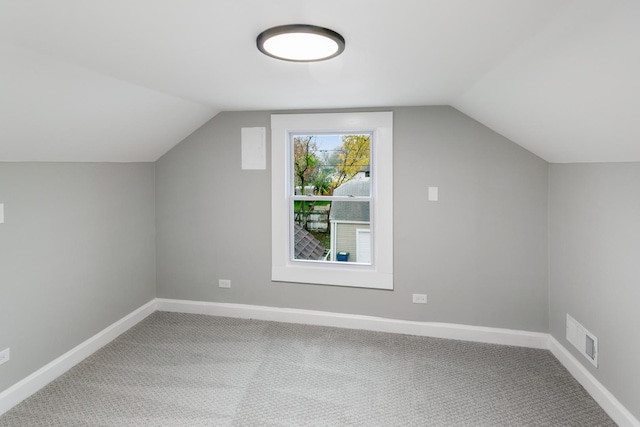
x: 583, y: 340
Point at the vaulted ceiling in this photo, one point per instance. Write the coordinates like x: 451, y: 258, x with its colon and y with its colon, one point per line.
x: 126, y: 80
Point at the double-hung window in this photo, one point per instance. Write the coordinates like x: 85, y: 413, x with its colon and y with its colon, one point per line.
x: 332, y: 199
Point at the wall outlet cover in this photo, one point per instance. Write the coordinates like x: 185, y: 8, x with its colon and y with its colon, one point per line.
x: 432, y: 194
x: 419, y: 298
x: 5, y: 355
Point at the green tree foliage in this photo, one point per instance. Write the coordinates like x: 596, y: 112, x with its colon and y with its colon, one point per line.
x: 322, y: 183
x: 326, y: 171
x: 305, y: 161
x: 306, y: 165
x: 354, y: 157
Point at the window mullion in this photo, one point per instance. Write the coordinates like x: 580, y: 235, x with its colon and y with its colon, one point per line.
x: 333, y: 198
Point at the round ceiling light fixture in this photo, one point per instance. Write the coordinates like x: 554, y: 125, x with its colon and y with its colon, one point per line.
x: 300, y: 43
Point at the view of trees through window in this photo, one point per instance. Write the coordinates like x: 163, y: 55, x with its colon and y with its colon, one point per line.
x: 331, y: 197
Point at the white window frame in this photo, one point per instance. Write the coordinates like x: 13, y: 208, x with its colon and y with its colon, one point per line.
x: 378, y: 275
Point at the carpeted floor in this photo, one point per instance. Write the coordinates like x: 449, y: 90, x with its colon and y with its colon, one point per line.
x: 194, y: 370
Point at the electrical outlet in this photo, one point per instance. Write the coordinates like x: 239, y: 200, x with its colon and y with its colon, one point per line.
x: 224, y: 283
x: 419, y: 298
x: 4, y: 356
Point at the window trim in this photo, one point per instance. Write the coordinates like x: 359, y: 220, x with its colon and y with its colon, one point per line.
x: 379, y: 275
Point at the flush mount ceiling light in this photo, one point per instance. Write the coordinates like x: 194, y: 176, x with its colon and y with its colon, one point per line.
x: 300, y: 43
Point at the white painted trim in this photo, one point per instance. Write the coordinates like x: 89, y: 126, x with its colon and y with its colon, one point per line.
x: 354, y: 321
x: 349, y: 222
x: 378, y: 275
x: 43, y: 376
x: 34, y: 382
x: 600, y: 394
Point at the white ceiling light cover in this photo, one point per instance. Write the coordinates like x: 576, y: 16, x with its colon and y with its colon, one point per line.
x: 300, y: 43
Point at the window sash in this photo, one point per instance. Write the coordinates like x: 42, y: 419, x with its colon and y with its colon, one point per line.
x: 380, y: 126
x: 334, y: 247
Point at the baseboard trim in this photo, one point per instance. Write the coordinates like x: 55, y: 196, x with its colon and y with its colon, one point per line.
x: 438, y: 330
x: 353, y: 321
x: 600, y: 394
x: 43, y: 376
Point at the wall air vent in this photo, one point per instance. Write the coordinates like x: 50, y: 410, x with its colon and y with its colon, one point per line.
x: 583, y: 340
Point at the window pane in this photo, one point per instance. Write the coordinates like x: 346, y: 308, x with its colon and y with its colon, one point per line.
x: 350, y: 225
x: 311, y: 230
x: 323, y: 164
x: 337, y: 231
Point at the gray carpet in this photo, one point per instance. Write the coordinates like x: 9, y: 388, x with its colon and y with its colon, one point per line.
x: 194, y: 370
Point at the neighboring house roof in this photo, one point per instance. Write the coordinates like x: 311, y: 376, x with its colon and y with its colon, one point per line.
x: 306, y: 246
x: 351, y: 211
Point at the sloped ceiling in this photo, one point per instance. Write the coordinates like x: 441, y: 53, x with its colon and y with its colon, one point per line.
x: 126, y: 80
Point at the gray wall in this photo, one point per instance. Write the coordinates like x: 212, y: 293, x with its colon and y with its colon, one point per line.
x: 594, y: 222
x: 480, y: 253
x: 76, y: 254
x: 77, y: 251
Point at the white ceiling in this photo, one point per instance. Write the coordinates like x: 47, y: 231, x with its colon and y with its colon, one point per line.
x: 126, y: 80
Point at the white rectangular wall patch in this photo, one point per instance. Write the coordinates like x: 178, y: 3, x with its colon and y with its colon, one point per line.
x: 254, y: 148
x: 432, y: 194
x: 1, y: 213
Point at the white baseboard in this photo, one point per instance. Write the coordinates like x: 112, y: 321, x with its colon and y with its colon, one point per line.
x: 43, y: 376
x: 600, y: 394
x: 353, y: 321
x: 34, y: 382
x: 438, y: 330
